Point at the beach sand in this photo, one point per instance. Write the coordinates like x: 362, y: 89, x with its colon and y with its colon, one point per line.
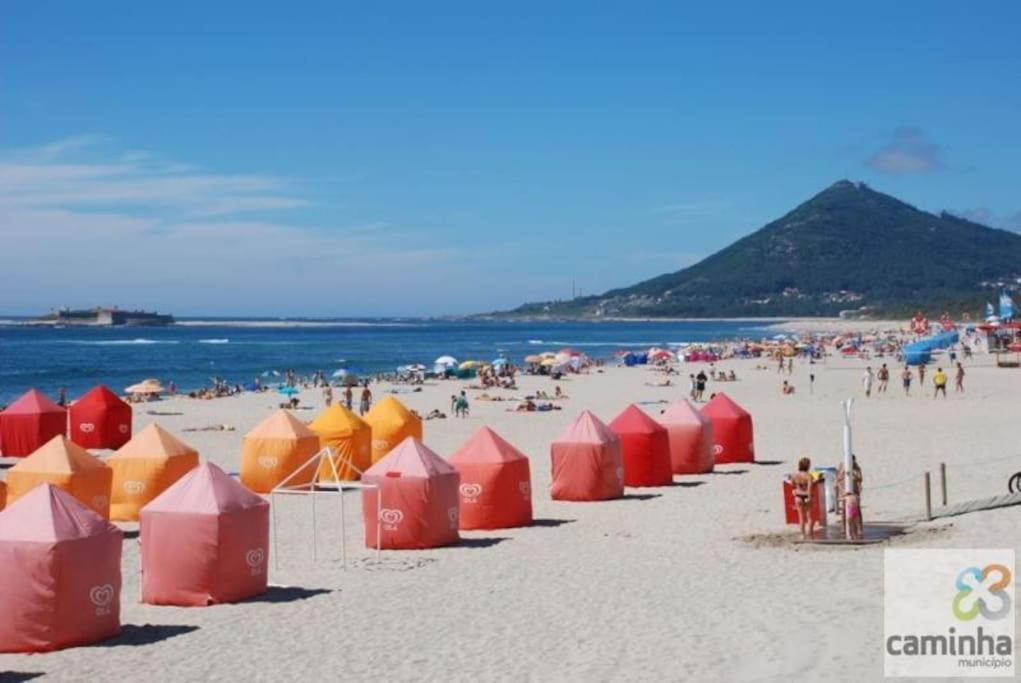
x: 699, y: 580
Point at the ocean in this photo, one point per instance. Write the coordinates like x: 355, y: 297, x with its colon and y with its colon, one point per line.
x: 192, y: 352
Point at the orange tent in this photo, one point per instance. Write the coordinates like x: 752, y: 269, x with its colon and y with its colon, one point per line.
x: 391, y: 424
x: 349, y: 439
x: 60, y: 573
x: 144, y: 467
x: 496, y: 488
x: 417, y: 494
x: 732, y: 429
x: 205, y: 540
x: 691, y: 438
x: 645, y: 448
x: 274, y: 449
x: 586, y: 461
x: 68, y: 466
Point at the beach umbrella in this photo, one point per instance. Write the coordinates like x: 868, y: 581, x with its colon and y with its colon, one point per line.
x: 146, y: 386
x: 289, y: 391
x: 469, y: 365
x: 448, y: 361
x: 533, y: 359
x: 499, y: 361
x: 341, y: 373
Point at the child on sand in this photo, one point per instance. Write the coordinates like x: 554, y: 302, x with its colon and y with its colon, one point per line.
x: 852, y: 512
x: 959, y: 379
x: 905, y: 379
x: 939, y: 380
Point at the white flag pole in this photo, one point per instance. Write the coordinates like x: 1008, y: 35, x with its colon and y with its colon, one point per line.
x: 848, y: 458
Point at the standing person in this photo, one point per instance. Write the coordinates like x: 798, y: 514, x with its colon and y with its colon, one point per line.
x: 349, y: 397
x: 328, y: 395
x: 691, y: 386
x: 700, y: 380
x: 851, y: 499
x: 866, y: 381
x: 172, y: 388
x: 366, y: 400
x: 453, y: 404
x: 462, y: 405
x: 884, y: 379
x: 959, y: 379
x: 790, y: 365
x: 905, y: 380
x: 801, y: 481
x: 939, y: 381
x: 921, y: 376
x: 953, y: 356
x: 62, y: 397
x: 780, y: 367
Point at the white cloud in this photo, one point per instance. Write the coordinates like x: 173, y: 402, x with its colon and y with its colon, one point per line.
x: 908, y: 151
x: 125, y: 229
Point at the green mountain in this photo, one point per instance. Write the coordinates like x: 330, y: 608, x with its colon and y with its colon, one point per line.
x: 847, y: 248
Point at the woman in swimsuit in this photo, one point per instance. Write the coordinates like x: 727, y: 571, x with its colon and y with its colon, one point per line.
x: 802, y: 483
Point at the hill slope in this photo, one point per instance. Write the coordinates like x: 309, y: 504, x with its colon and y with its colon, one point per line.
x: 846, y: 248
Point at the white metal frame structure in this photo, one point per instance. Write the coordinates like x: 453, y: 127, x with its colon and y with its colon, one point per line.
x: 310, y: 488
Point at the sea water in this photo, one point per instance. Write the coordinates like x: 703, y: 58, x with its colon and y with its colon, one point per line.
x: 191, y: 353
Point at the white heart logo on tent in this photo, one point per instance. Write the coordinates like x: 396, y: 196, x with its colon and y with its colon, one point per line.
x: 268, y: 461
x: 380, y: 444
x: 101, y: 596
x: 254, y: 558
x: 471, y: 491
x: 526, y: 489
x: 87, y: 427
x: 133, y: 487
x: 391, y: 516
x: 124, y: 429
x: 452, y: 514
x: 717, y: 449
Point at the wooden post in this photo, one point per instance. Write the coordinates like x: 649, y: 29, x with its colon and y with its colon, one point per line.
x: 928, y: 498
x: 943, y: 481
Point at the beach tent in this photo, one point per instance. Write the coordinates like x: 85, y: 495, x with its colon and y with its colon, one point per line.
x: 30, y: 422
x: 644, y: 448
x: 586, y: 461
x: 275, y: 448
x: 100, y: 419
x: 732, y: 430
x: 68, y: 466
x: 691, y: 438
x: 418, y: 494
x: 60, y: 573
x: 205, y: 540
x: 496, y: 486
x: 145, y: 467
x: 349, y: 439
x: 391, y: 423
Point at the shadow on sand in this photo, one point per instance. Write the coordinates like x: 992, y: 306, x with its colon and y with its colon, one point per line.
x: 481, y: 542
x: 146, y: 634
x: 552, y: 522
x: 18, y: 676
x: 768, y: 463
x: 639, y: 496
x: 725, y: 472
x: 276, y: 594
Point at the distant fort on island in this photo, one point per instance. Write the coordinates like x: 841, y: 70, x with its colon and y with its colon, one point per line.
x: 105, y: 317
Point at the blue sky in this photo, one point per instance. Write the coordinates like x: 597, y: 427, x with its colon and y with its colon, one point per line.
x: 429, y: 158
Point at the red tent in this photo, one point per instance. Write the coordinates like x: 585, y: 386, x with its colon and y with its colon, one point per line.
x: 732, y: 428
x: 691, y: 438
x: 496, y: 488
x: 100, y: 419
x: 419, y: 499
x: 30, y: 422
x: 645, y: 448
x: 586, y: 462
x: 205, y: 540
x: 60, y: 573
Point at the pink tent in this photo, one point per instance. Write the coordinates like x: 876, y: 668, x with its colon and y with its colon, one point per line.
x: 205, y: 540
x: 586, y: 461
x: 419, y: 498
x: 496, y: 489
x: 60, y: 573
x: 691, y: 438
x: 645, y: 448
x: 30, y: 422
x: 732, y: 429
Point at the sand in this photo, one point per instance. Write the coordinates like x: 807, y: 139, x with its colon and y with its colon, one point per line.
x: 700, y: 580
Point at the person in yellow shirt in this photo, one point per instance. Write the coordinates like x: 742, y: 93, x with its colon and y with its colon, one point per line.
x: 940, y: 382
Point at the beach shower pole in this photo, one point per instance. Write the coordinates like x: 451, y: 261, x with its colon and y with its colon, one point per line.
x: 848, y: 459
x: 943, y: 481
